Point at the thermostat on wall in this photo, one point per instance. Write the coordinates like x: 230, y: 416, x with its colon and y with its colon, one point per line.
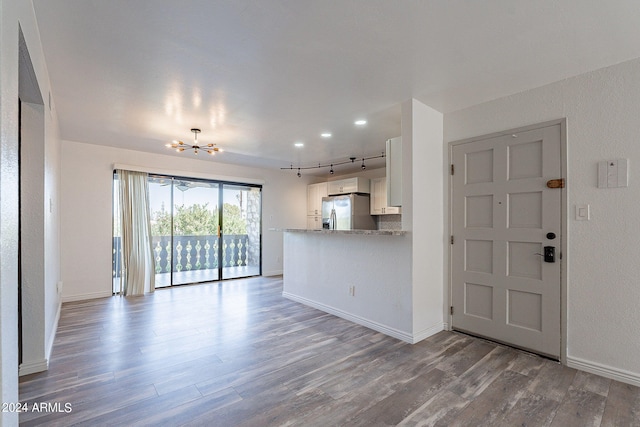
x: 613, y: 173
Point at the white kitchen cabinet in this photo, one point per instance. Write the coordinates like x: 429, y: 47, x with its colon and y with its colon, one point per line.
x: 394, y: 171
x: 349, y: 185
x: 314, y: 222
x: 315, y: 193
x: 379, y: 198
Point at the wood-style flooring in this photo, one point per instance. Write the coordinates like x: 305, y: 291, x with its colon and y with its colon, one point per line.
x: 237, y: 353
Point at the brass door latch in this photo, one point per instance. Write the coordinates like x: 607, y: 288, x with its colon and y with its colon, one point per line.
x: 556, y: 183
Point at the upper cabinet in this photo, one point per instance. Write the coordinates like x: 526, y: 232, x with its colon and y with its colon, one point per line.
x: 349, y: 185
x: 379, y: 198
x: 394, y: 171
x: 315, y: 193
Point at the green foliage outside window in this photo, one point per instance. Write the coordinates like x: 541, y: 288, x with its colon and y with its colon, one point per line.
x: 198, y: 220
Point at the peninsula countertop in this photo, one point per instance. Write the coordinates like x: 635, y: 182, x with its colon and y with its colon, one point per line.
x: 359, y: 232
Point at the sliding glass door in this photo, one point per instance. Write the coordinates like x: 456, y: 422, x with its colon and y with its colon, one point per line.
x: 204, y: 230
x: 195, y: 231
x: 241, y: 230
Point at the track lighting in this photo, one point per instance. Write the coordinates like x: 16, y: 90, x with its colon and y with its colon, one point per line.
x: 331, y: 165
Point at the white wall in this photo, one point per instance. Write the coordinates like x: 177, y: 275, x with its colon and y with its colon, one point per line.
x: 9, y: 12
x: 422, y: 184
x: 50, y: 205
x: 602, y: 109
x: 320, y: 268
x: 86, y: 212
x: 15, y: 14
x: 423, y: 214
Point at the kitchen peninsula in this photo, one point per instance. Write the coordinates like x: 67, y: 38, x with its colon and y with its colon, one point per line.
x: 361, y: 275
x: 362, y: 232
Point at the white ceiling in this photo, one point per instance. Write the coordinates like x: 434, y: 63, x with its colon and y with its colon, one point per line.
x: 258, y: 75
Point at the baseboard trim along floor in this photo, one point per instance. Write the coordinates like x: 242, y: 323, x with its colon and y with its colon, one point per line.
x: 395, y: 333
x: 605, y: 371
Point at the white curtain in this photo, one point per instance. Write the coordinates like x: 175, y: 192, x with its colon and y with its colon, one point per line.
x: 138, y: 263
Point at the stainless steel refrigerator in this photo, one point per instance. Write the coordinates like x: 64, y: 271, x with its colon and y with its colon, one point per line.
x: 347, y: 212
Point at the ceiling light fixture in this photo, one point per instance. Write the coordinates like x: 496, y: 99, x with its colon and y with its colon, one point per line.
x: 299, y: 144
x: 180, y: 146
x: 363, y: 165
x: 326, y: 135
x: 360, y: 122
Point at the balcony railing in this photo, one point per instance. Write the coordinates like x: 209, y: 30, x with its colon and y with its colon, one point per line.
x: 192, y: 252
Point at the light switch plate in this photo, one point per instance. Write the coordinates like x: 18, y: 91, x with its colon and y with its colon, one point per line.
x: 583, y: 213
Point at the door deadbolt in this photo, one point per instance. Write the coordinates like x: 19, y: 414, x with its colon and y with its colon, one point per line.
x: 551, y: 236
x: 549, y: 254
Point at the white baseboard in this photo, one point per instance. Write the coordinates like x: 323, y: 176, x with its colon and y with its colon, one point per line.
x: 272, y: 273
x: 82, y: 297
x: 426, y: 333
x: 392, y: 332
x: 32, y: 367
x: 54, y: 330
x: 604, y: 371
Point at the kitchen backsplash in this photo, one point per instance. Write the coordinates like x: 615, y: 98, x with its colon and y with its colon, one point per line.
x: 389, y: 222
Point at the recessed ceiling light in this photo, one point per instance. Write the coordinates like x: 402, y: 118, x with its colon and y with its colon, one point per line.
x: 299, y: 144
x: 326, y: 135
x: 360, y: 122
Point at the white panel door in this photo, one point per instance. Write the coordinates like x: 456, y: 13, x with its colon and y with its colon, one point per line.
x: 503, y: 217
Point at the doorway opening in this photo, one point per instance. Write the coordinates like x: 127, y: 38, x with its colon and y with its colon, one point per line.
x: 34, y: 297
x: 202, y: 230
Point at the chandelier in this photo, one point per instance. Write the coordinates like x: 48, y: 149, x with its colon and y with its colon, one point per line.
x: 180, y: 146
